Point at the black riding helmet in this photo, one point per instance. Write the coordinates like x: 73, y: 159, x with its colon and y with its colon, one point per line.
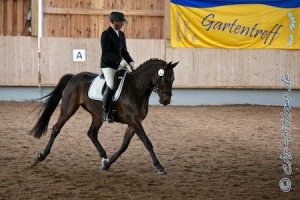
x: 117, y: 16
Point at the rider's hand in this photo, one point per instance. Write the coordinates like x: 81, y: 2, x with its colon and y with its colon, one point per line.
x: 123, y: 63
x: 132, y: 65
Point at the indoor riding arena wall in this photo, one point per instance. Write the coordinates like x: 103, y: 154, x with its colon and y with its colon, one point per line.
x: 69, y: 25
x: 197, y: 68
x: 211, y: 146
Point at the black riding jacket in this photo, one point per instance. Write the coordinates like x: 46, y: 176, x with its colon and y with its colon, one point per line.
x: 113, y: 49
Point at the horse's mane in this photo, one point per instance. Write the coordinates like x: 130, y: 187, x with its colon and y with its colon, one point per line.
x: 147, y: 62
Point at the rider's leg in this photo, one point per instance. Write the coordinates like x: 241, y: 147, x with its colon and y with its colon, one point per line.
x: 109, y: 75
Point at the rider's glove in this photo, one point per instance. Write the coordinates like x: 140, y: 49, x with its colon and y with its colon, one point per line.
x: 123, y: 63
x: 132, y: 66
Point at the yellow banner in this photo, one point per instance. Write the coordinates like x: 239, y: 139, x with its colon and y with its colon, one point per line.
x: 235, y: 26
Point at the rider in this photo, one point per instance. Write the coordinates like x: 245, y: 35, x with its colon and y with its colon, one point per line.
x: 114, y: 56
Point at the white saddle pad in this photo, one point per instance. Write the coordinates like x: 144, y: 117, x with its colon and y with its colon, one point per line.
x: 95, y: 90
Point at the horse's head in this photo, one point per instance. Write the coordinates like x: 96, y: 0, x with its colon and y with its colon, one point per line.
x: 164, y: 83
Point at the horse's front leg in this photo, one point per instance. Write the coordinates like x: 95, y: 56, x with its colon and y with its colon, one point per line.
x: 93, y: 135
x: 106, y: 163
x: 142, y: 135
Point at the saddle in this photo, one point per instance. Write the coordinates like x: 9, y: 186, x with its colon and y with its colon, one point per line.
x: 98, y: 86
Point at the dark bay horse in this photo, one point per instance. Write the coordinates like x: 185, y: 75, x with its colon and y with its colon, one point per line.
x: 132, y: 106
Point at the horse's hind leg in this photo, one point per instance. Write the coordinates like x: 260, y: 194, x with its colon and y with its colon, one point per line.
x: 105, y: 164
x: 66, y: 112
x: 93, y: 135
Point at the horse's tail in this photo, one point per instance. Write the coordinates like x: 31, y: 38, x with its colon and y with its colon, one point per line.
x: 52, y: 100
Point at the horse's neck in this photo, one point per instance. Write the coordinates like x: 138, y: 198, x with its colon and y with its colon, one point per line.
x: 148, y: 70
x: 142, y: 81
x: 146, y: 75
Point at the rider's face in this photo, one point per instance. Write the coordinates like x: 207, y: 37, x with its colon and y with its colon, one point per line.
x: 118, y: 24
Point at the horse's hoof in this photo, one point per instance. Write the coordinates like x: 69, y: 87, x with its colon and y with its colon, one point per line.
x: 104, y: 164
x: 39, y: 157
x: 161, y: 171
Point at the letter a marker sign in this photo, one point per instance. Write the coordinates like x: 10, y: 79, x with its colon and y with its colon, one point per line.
x: 79, y: 55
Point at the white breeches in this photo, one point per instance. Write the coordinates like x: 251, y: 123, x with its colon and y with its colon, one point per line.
x: 109, y: 75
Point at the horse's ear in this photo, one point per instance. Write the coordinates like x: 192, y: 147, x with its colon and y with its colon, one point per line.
x: 168, y: 65
x: 172, y: 65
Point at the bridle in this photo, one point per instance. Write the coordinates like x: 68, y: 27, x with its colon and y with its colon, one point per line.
x: 156, y: 87
x: 158, y: 90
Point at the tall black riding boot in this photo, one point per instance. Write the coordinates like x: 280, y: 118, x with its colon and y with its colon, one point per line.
x: 106, y: 104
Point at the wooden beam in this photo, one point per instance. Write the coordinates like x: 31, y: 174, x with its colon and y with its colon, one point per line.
x: 20, y: 18
x: 167, y: 20
x: 34, y: 17
x: 10, y: 14
x: 79, y: 11
x: 15, y: 18
x: 5, y: 18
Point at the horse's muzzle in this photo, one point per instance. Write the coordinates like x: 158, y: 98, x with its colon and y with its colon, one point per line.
x: 165, y: 100
x: 164, y: 103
